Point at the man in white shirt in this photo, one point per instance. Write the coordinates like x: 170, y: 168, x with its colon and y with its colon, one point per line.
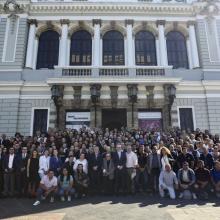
x: 82, y: 161
x: 167, y: 180
x: 48, y: 187
x: 131, y: 165
x: 44, y: 164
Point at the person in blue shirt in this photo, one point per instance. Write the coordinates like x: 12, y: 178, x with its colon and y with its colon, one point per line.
x: 55, y: 163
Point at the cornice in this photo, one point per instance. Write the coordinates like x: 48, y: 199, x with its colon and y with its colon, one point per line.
x: 94, y: 8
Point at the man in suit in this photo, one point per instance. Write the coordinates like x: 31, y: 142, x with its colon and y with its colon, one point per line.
x: 108, y: 170
x: 95, y: 168
x: 119, y: 158
x: 154, y: 167
x: 21, y: 173
x: 9, y: 167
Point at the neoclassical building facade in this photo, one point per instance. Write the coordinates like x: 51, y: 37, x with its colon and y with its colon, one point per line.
x: 150, y: 64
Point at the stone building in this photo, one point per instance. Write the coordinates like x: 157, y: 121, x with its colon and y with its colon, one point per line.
x: 108, y: 63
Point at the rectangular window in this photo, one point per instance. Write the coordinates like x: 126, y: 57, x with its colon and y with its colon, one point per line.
x: 40, y: 120
x: 186, y: 118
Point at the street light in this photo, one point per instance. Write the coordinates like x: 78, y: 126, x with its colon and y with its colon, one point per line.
x: 132, y: 95
x: 57, y: 97
x: 171, y: 93
x: 95, y: 95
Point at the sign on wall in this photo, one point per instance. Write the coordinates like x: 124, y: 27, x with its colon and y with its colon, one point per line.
x: 149, y: 120
x: 77, y: 120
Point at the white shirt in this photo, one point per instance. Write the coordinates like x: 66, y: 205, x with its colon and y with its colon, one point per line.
x: 132, y: 160
x: 167, y: 178
x: 47, y: 182
x: 44, y: 164
x: 83, y: 162
x: 164, y: 161
x: 185, y: 176
x: 10, y: 161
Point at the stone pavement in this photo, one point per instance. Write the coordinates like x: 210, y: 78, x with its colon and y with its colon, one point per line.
x: 115, y: 208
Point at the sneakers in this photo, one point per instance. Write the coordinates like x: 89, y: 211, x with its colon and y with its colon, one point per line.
x: 194, y: 196
x: 36, y: 203
x: 51, y: 199
x: 62, y: 199
x: 69, y: 198
x: 181, y: 196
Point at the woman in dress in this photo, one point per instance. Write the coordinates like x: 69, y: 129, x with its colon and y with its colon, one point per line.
x: 32, y: 173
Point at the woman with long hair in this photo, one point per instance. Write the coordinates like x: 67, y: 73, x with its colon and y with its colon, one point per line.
x: 32, y: 173
x: 65, y: 181
x: 81, y: 181
x: 166, y: 157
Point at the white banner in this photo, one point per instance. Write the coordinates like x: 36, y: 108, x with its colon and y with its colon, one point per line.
x: 77, y: 116
x: 149, y: 115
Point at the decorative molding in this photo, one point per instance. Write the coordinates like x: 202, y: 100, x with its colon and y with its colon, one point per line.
x: 97, y: 21
x: 12, y: 7
x: 32, y: 21
x: 64, y: 21
x: 129, y: 22
x: 161, y: 22
x: 189, y: 23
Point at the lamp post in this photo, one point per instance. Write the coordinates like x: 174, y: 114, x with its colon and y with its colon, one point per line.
x: 170, y: 95
x: 132, y: 95
x: 57, y: 97
x: 95, y: 95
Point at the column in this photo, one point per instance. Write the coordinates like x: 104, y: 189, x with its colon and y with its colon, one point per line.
x: 130, y: 51
x: 31, y: 43
x: 189, y: 53
x: 96, y: 51
x: 63, y: 43
x: 36, y: 42
x: 162, y: 44
x: 158, y: 52
x: 193, y: 44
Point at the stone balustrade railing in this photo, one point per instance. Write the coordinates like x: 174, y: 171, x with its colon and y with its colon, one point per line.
x: 111, y: 71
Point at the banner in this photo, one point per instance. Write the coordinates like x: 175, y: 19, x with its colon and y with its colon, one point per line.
x: 77, y: 120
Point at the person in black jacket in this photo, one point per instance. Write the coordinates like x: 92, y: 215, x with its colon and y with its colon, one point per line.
x: 119, y: 158
x: 95, y: 170
x: 9, y: 166
x: 21, y: 179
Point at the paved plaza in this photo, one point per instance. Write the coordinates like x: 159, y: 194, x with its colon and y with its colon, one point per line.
x: 115, y: 208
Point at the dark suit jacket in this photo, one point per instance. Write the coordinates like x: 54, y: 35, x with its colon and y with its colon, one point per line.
x: 119, y: 161
x: 109, y: 170
x: 14, y: 165
x: 93, y: 161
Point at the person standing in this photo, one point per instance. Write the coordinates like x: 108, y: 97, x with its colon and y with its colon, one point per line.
x: 32, y: 173
x: 119, y: 158
x: 95, y: 168
x: 44, y: 164
x: 9, y: 167
x: 108, y: 173
x: 131, y: 165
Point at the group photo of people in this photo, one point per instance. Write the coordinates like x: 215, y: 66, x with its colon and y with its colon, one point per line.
x: 73, y: 164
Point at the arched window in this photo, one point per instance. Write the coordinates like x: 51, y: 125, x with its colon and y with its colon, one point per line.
x: 48, y: 50
x: 113, y: 48
x: 176, y: 50
x: 81, y: 48
x: 145, y: 50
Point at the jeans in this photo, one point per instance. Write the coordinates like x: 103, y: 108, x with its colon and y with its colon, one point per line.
x: 40, y: 192
x: 66, y: 191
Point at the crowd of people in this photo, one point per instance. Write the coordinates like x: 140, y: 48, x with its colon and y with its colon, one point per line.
x: 73, y: 164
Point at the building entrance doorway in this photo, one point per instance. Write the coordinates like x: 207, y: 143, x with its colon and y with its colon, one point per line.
x: 114, y: 118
